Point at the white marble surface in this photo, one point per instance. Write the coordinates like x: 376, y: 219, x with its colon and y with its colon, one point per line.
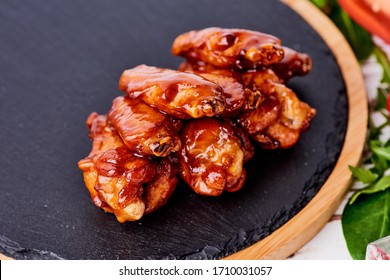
x: 329, y: 243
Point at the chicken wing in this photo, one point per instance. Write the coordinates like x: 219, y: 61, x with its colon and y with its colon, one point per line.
x: 229, y: 48
x: 281, y: 116
x: 144, y: 130
x: 159, y: 190
x: 237, y: 97
x: 120, y: 181
x: 211, y: 158
x: 295, y: 113
x: 104, y: 138
x: 179, y: 94
x: 293, y: 64
x: 113, y: 175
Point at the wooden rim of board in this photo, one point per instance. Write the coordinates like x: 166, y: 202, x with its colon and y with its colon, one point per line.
x: 308, y: 222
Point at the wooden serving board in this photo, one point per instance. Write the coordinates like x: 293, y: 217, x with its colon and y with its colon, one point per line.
x: 307, y: 223
x: 46, y: 212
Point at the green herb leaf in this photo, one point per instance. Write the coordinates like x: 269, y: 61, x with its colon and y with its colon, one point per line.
x: 381, y: 100
x: 382, y: 59
x: 382, y: 184
x: 363, y: 175
x: 381, y: 151
x: 321, y: 4
x: 380, y: 165
x: 375, y: 143
x: 366, y: 220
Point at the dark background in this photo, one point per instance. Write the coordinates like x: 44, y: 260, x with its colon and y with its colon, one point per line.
x: 61, y: 60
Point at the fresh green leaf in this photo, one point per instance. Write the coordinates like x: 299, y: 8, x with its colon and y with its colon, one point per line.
x: 380, y: 100
x: 363, y: 175
x: 321, y: 4
x: 383, y: 60
x: 375, y: 143
x: 366, y: 220
x: 359, y: 39
x: 382, y: 184
x: 381, y: 151
x: 380, y: 164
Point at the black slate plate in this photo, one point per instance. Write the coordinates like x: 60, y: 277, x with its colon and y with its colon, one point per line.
x: 61, y: 60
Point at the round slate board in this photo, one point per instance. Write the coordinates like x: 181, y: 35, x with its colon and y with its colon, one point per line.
x: 61, y: 60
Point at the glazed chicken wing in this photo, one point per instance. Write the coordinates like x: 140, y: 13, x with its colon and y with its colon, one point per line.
x: 104, y: 138
x: 144, y: 130
x: 293, y: 64
x: 160, y: 189
x: 113, y: 175
x: 237, y: 97
x: 179, y: 94
x: 281, y: 116
x: 121, y: 176
x: 233, y: 92
x: 229, y: 48
x: 211, y: 158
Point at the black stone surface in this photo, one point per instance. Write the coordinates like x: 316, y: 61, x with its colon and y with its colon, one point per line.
x: 61, y: 60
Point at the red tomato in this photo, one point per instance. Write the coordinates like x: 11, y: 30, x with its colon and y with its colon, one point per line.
x: 388, y: 102
x: 373, y: 15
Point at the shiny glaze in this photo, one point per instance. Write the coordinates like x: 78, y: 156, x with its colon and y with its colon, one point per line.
x: 104, y: 138
x: 229, y: 48
x: 179, y: 94
x: 270, y: 105
x: 211, y: 158
x: 280, y: 118
x: 258, y: 120
x: 293, y: 64
x: 233, y: 92
x: 122, y: 182
x: 121, y: 176
x: 113, y: 174
x: 159, y: 190
x: 245, y: 142
x: 144, y: 130
x: 238, y: 97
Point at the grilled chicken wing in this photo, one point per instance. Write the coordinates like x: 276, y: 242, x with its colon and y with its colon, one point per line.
x: 229, y: 48
x: 144, y: 130
x: 233, y: 92
x: 159, y: 190
x: 179, y: 94
x: 211, y: 158
x: 293, y: 64
x: 113, y: 175
x: 121, y: 176
x: 281, y: 116
x: 104, y: 138
x: 237, y: 97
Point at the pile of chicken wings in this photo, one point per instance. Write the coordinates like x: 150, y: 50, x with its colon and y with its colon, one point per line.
x: 198, y: 123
